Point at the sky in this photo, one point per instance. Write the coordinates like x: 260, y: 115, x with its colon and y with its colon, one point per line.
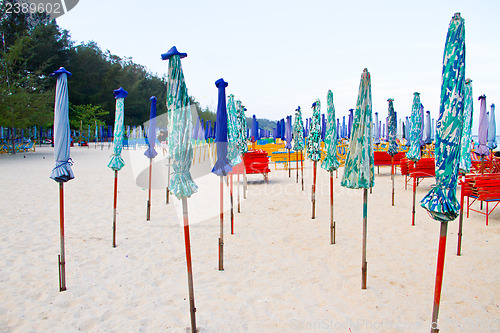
x: 277, y: 55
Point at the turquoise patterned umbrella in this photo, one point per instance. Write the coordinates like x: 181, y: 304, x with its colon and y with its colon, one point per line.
x: 393, y: 146
x: 358, y: 170
x: 441, y: 201
x: 242, y: 121
x: 298, y: 142
x: 233, y: 135
x: 413, y: 153
x: 116, y: 163
x: 313, y: 147
x: 465, y: 151
x: 465, y: 158
x: 179, y: 146
x: 492, y: 129
x: 331, y: 163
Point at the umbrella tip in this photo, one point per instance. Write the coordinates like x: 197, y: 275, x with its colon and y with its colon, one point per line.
x: 482, y: 97
x: 60, y: 71
x: 457, y: 16
x: 173, y: 51
x: 468, y: 80
x: 120, y: 93
x: 389, y: 100
x: 220, y: 82
x: 152, y: 98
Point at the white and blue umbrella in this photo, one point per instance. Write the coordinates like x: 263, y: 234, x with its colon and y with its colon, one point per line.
x: 151, y: 152
x: 492, y: 129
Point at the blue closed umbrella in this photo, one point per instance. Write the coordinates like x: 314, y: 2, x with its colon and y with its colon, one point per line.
x: 222, y: 166
x: 349, y: 128
x: 255, y: 130
x: 151, y: 152
x: 492, y: 129
x: 427, y: 128
x: 62, y: 172
x: 288, y: 138
x: 323, y: 127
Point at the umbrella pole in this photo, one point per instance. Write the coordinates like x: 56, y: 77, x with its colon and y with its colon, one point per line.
x: 115, y: 197
x: 314, y: 191
x: 460, y: 222
x: 221, y: 238
x: 364, y: 264
x: 187, y: 243
x: 297, y: 165
x: 148, y: 213
x: 239, y: 193
x: 392, y: 178
x: 167, y: 191
x: 302, y: 169
x: 245, y: 184
x: 289, y: 165
x: 439, y: 276
x: 414, y: 198
x: 332, y: 222
x: 231, y: 198
x: 62, y: 258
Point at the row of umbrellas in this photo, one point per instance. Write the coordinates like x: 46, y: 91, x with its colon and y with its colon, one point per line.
x: 440, y: 202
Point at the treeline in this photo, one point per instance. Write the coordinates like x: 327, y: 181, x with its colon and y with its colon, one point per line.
x: 32, y: 47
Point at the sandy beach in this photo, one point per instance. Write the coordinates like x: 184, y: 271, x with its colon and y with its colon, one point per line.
x: 281, y: 273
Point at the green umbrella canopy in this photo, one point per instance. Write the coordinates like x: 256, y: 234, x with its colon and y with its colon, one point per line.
x: 313, y: 142
x: 391, y: 130
x: 358, y: 171
x: 441, y: 201
x: 413, y: 153
x: 242, y: 122
x: 465, y: 158
x: 330, y: 163
x: 298, y: 131
x: 233, y: 132
x: 179, y: 127
x: 116, y: 163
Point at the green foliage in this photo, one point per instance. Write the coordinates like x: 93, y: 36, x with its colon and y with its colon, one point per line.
x: 86, y: 115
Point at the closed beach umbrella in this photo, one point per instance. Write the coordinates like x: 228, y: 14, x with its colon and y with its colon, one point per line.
x: 413, y: 153
x: 179, y: 146
x: 349, y: 128
x: 255, y: 130
x: 331, y: 162
x: 422, y: 124
x: 223, y: 166
x: 313, y: 147
x: 278, y: 129
x: 344, y: 128
x: 441, y: 201
x: 62, y: 172
x: 376, y: 139
x: 407, y: 131
x: 323, y: 127
x: 242, y: 142
x: 465, y: 142
x: 482, y: 150
x: 492, y: 129
x: 358, y: 170
x: 151, y: 152
x: 116, y: 163
x: 393, y: 146
x: 288, y: 138
x: 427, y: 128
x: 233, y: 153
x: 298, y: 142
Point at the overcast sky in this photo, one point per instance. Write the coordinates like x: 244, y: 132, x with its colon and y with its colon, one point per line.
x: 277, y: 55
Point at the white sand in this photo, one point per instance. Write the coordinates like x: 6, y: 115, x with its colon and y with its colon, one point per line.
x: 281, y: 273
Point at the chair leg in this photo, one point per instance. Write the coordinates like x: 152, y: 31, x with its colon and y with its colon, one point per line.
x: 487, y: 213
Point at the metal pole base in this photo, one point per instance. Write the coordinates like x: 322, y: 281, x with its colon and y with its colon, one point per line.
x: 221, y: 255
x: 148, y: 213
x: 62, y: 274
x: 364, y: 269
x: 332, y: 233
x: 167, y: 192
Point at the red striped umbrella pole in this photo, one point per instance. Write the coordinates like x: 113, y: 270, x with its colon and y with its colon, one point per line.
x: 148, y: 215
x: 239, y: 193
x: 115, y: 199
x: 439, y: 276
x: 62, y: 259
x: 231, y: 198
x: 221, y: 238
x: 392, y: 178
x: 332, y: 222
x: 289, y: 165
x: 297, y: 164
x: 314, y: 191
x: 460, y: 222
x: 302, y: 169
x: 187, y: 243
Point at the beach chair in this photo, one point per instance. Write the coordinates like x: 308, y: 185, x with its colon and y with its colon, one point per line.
x: 256, y: 161
x: 484, y: 188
